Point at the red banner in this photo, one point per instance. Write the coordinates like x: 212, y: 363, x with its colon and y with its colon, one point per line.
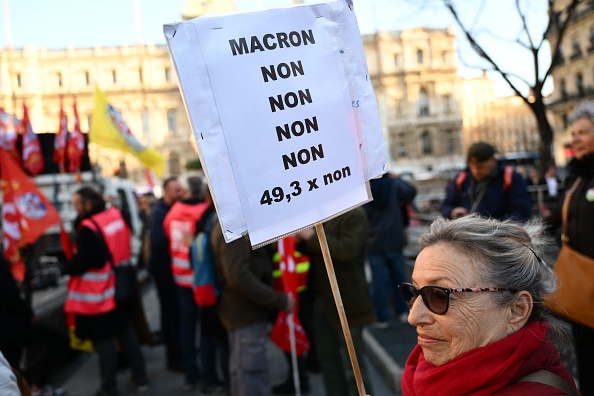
x: 26, y: 212
x: 32, y: 155
x: 76, y: 144
x: 60, y: 141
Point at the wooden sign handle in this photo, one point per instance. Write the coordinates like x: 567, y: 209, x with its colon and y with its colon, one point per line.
x: 341, y: 313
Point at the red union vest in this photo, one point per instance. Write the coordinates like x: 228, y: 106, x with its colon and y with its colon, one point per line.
x: 92, y: 293
x: 181, y: 220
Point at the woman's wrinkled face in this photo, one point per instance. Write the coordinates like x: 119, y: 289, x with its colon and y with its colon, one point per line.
x: 473, y: 319
x: 582, y: 137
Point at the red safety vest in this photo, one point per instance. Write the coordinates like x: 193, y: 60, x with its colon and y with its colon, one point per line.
x: 92, y: 293
x: 181, y: 220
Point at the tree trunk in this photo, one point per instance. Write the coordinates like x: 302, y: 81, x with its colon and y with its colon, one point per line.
x: 545, y: 132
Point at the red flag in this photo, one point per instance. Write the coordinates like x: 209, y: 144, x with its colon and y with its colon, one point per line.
x: 9, y: 134
x: 280, y: 332
x: 60, y: 141
x: 76, y: 144
x: 26, y: 212
x: 32, y: 156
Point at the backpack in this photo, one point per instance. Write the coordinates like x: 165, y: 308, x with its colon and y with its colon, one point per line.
x: 508, y: 175
x: 204, y: 285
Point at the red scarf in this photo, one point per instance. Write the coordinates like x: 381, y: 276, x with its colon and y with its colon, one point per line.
x: 480, y: 371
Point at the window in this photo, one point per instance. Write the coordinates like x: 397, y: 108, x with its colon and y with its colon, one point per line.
x: 396, y: 60
x: 576, y: 50
x: 59, y: 79
x: 423, y: 103
x: 172, y: 121
x: 444, y: 56
x: 563, y: 89
x: 140, y: 75
x: 402, y: 151
x: 173, y: 163
x: 426, y: 142
x: 579, y: 84
x: 114, y: 77
x: 451, y: 142
x: 18, y: 80
x: 145, y: 125
x: 167, y: 74
x: 419, y: 56
x: 447, y: 103
x: 564, y: 121
x: 451, y: 146
x: 88, y: 122
x: 87, y: 78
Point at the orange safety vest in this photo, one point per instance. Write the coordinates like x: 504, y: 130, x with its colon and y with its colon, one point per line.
x: 181, y: 220
x: 93, y: 292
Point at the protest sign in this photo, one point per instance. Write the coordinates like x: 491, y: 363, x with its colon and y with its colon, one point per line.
x: 284, y: 115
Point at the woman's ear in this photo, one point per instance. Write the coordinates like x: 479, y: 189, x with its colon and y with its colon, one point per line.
x: 520, y: 311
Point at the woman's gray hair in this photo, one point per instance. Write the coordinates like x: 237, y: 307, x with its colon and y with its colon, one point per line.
x: 507, y: 254
x: 583, y: 110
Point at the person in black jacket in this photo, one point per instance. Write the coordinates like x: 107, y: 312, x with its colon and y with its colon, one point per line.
x: 18, y: 329
x: 160, y: 268
x: 580, y: 224
x: 487, y: 188
x: 386, y: 243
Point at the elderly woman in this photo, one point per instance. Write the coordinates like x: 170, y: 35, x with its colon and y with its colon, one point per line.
x: 580, y: 231
x: 480, y: 319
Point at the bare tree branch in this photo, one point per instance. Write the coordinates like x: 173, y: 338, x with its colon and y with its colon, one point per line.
x: 527, y: 46
x: 478, y: 14
x: 479, y: 50
x: 523, y: 18
x: 561, y: 28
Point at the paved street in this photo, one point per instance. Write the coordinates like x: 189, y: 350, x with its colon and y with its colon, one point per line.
x: 84, y: 377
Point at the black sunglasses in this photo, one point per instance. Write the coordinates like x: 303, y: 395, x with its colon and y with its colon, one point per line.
x: 436, y: 298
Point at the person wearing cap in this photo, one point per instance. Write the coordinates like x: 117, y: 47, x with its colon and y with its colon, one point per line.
x: 487, y: 187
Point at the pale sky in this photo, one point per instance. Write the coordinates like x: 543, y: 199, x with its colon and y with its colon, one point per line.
x: 86, y: 23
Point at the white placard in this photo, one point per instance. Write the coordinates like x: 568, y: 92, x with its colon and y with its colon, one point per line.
x: 278, y: 124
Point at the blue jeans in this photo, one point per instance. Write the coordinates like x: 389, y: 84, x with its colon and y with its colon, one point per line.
x: 387, y: 271
x: 189, y: 316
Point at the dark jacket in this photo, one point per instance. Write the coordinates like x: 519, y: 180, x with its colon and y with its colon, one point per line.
x: 245, y: 278
x: 386, y: 225
x: 15, y: 313
x: 513, y: 203
x: 347, y: 239
x: 580, y: 227
x: 160, y: 259
x: 91, y: 253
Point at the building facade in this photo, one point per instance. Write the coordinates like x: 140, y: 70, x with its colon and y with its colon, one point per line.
x: 414, y: 75
x: 573, y: 72
x: 505, y: 122
x: 138, y: 80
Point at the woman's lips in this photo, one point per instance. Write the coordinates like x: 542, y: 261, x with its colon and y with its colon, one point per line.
x: 424, y: 339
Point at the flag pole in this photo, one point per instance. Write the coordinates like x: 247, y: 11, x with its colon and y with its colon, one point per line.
x: 294, y: 363
x: 340, y: 307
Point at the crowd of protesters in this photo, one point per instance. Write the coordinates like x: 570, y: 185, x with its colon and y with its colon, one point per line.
x: 230, y: 354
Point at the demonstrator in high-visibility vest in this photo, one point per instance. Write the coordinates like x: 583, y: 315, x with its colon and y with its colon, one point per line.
x: 180, y: 226
x: 103, y: 242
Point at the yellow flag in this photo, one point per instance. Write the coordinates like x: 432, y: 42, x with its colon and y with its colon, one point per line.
x: 109, y: 129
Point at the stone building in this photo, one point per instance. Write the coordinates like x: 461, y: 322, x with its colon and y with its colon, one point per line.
x: 505, y: 122
x: 138, y: 80
x: 573, y: 72
x: 414, y: 75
